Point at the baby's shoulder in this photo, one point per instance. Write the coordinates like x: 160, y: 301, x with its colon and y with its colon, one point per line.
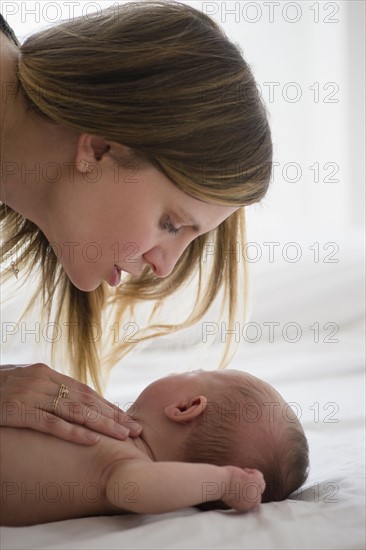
x: 113, y: 448
x: 114, y: 453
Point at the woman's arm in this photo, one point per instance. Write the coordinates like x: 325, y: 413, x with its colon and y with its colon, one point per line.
x: 157, y: 487
x: 29, y: 399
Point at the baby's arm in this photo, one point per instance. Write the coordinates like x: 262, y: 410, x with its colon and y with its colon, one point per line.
x: 158, y: 487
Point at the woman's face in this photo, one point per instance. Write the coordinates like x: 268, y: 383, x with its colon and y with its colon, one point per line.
x: 129, y: 215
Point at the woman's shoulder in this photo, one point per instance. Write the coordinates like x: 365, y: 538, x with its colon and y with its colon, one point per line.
x: 8, y: 31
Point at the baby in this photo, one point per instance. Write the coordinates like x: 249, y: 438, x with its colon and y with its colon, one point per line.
x: 207, y: 438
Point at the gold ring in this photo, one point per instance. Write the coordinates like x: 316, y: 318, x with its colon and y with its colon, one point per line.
x: 62, y: 393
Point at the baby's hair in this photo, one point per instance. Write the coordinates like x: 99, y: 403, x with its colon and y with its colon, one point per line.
x: 246, y: 425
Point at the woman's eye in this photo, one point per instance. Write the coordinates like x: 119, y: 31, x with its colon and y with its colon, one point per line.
x: 168, y: 226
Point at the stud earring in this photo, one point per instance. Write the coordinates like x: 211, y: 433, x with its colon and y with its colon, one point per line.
x: 85, y: 166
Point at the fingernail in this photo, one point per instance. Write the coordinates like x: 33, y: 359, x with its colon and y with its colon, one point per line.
x: 92, y: 437
x: 121, y: 430
x: 135, y: 427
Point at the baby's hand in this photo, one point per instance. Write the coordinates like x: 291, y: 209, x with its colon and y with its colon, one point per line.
x: 245, y: 488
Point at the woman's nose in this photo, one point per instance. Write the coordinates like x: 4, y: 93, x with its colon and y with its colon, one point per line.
x: 162, y: 259
x: 160, y: 266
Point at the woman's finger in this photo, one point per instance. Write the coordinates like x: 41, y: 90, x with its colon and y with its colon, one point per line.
x: 20, y: 414
x: 56, y: 426
x: 82, y: 405
x: 90, y: 415
x: 79, y: 393
x: 38, y: 390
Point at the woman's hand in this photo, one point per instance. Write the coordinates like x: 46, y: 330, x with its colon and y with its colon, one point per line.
x: 42, y: 399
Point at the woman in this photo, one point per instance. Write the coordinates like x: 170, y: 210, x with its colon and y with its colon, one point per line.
x: 131, y: 140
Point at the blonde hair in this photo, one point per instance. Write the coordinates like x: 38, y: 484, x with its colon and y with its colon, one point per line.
x: 244, y: 427
x: 164, y: 79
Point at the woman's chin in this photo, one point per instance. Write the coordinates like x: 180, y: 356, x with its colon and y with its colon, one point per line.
x: 83, y: 282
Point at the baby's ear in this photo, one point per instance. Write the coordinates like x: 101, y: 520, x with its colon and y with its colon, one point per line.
x: 186, y: 411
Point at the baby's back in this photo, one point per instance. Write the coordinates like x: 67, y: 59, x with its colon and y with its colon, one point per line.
x: 44, y: 478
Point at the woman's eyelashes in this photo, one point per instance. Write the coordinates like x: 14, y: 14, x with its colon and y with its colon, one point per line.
x: 168, y: 226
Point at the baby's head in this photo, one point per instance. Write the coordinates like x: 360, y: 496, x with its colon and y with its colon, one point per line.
x: 247, y: 423
x: 227, y: 417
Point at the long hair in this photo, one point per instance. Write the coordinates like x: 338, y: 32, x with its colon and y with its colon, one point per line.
x: 164, y: 79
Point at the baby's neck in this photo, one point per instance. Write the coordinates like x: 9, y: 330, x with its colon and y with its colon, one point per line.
x: 141, y: 444
x: 160, y: 439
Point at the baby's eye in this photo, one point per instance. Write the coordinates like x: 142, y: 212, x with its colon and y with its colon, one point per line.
x: 168, y: 226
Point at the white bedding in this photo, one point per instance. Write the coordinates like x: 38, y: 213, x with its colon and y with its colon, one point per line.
x: 324, y: 381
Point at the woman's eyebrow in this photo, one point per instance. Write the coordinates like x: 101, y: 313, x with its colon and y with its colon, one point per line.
x: 196, y: 225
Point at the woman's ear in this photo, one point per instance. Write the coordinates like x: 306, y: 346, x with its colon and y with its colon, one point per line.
x: 183, y: 412
x: 90, y: 149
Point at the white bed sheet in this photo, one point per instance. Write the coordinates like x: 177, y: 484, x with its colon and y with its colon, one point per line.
x: 325, y: 384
